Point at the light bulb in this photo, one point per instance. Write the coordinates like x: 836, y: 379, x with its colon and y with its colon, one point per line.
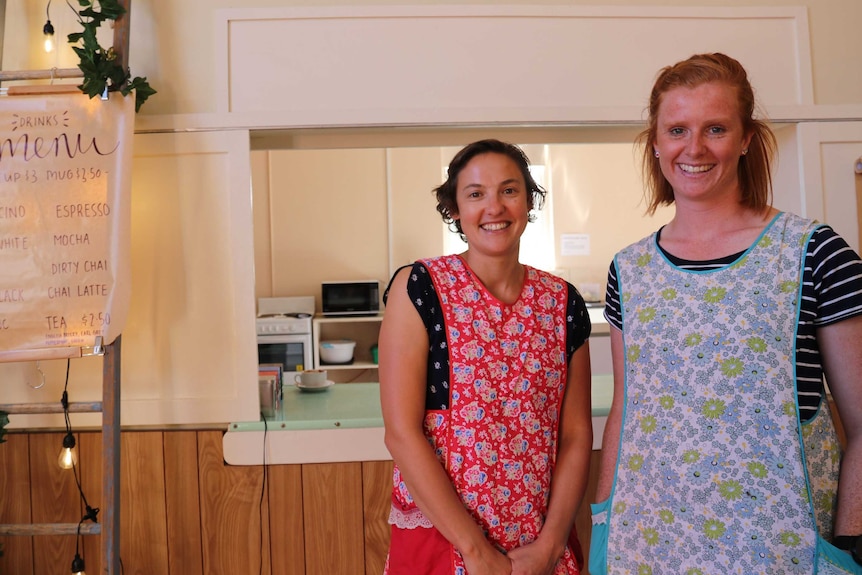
x: 48, y: 32
x: 48, y: 29
x: 68, y: 455
x: 78, y: 565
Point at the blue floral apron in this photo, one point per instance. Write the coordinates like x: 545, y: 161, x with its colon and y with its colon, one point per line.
x: 715, y: 473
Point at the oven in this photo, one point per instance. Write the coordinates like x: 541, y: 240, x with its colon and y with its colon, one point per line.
x: 283, y: 329
x: 292, y: 352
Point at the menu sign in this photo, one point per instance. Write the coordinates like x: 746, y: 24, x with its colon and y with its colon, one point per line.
x: 65, y: 162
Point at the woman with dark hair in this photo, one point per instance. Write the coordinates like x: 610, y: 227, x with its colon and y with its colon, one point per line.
x: 720, y: 453
x: 447, y: 191
x: 485, y: 389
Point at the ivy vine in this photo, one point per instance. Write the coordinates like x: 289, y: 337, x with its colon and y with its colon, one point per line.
x: 101, y: 68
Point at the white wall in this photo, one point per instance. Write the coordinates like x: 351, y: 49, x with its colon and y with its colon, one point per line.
x: 359, y: 213
x: 174, y: 45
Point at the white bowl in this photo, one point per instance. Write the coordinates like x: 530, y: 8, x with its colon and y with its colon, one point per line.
x: 337, y: 351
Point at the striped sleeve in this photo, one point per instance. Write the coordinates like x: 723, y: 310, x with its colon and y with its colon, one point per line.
x: 835, y: 272
x: 613, y: 310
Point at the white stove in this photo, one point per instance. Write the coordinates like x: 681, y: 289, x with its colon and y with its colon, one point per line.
x: 283, y: 327
x: 284, y: 315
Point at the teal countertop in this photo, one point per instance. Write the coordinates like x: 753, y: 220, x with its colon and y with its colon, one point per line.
x: 357, y: 405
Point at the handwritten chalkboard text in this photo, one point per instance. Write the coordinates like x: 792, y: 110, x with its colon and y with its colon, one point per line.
x: 66, y: 145
x: 73, y: 267
x: 95, y: 210
x: 92, y: 289
x: 12, y: 295
x: 64, y: 268
x: 71, y: 239
x: 96, y: 266
x: 15, y: 243
x: 66, y: 337
x: 89, y: 290
x: 58, y: 292
x: 40, y: 121
x: 96, y: 319
x: 12, y: 212
x: 28, y: 176
x: 80, y: 174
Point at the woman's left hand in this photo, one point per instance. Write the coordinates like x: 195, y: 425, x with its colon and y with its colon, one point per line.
x: 533, y: 559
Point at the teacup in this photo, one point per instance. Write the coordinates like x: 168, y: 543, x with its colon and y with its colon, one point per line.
x: 311, y: 378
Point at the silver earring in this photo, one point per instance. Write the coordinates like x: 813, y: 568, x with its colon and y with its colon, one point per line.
x: 744, y: 151
x: 656, y: 153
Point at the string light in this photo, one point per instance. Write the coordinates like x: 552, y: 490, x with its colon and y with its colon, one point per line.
x: 91, y: 513
x: 78, y: 565
x: 68, y: 458
x: 68, y: 454
x: 48, y: 30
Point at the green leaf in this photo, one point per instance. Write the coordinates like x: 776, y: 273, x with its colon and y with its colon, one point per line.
x: 112, y: 9
x: 101, y: 68
x: 142, y: 89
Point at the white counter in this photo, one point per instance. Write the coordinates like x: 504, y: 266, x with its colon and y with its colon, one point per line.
x: 342, y: 424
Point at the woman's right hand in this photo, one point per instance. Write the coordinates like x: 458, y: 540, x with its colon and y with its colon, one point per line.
x: 487, y: 561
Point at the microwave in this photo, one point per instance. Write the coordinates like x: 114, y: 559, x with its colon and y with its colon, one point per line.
x: 350, y: 298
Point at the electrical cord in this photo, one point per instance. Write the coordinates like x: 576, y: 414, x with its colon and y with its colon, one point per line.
x: 91, y: 513
x: 262, y: 493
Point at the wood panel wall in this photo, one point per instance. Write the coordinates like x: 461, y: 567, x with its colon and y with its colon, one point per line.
x: 185, y: 512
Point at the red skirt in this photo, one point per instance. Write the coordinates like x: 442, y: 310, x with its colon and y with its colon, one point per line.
x: 424, y: 551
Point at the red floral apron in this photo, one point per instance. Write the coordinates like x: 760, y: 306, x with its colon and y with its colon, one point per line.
x: 498, y: 439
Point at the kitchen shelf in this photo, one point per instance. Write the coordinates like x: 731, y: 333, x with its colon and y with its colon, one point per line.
x: 354, y: 365
x: 364, y: 330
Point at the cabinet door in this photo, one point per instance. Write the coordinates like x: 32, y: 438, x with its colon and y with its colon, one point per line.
x: 189, y: 352
x: 376, y: 502
x: 832, y: 189
x: 332, y: 511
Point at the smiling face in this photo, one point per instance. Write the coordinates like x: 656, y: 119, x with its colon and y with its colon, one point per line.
x: 700, y: 139
x: 493, y: 204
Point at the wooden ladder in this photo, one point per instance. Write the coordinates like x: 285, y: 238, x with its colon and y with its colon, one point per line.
x: 109, y: 407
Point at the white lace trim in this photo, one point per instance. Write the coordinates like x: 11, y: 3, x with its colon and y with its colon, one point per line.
x: 599, y: 518
x: 411, y: 519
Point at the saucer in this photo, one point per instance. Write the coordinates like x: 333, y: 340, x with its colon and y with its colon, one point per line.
x: 329, y: 383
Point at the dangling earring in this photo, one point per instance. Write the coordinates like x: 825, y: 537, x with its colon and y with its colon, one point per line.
x: 656, y: 153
